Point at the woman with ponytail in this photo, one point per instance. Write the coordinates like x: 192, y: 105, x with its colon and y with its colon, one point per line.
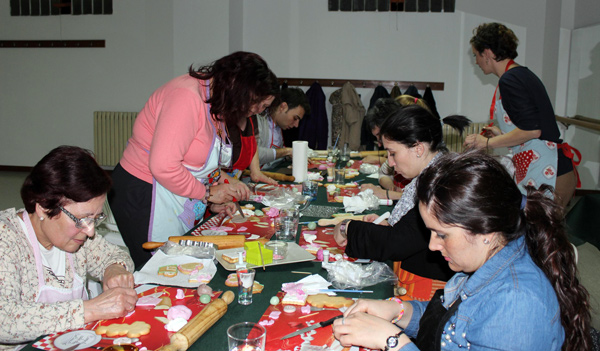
x: 516, y: 284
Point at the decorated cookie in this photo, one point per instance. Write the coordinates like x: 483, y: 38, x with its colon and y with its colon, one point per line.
x: 324, y: 300
x: 187, y: 268
x: 133, y: 330
x: 168, y: 271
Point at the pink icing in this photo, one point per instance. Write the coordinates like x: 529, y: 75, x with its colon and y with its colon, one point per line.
x: 180, y: 294
x: 272, y: 212
x: 274, y: 315
x: 309, y: 232
x: 305, y: 309
x: 148, y: 301
x: 179, y: 311
x: 242, y: 229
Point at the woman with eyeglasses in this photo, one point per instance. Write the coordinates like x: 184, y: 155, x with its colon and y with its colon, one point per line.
x: 48, y: 249
x: 182, y: 138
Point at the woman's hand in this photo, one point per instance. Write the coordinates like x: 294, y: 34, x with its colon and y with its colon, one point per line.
x: 116, y: 276
x: 222, y: 192
x: 362, y: 329
x: 375, y: 160
x: 260, y: 177
x: 229, y: 208
x: 385, y: 309
x: 112, y: 303
x: 370, y: 217
x: 475, y: 141
x: 377, y: 190
x: 340, y: 239
x: 491, y: 132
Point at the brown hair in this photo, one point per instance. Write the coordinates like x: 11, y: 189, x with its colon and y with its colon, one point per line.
x: 67, y: 173
x: 498, y: 38
x: 475, y: 192
x: 239, y: 81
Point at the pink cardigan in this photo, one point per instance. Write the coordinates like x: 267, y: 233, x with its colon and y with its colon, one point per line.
x: 172, y: 130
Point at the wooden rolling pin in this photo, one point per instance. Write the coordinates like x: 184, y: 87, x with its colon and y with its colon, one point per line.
x: 323, y: 222
x: 277, y: 176
x: 370, y: 153
x: 198, y: 325
x: 221, y: 241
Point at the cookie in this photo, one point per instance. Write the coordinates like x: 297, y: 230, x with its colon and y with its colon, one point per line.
x: 187, y: 268
x: 233, y: 257
x: 133, y: 330
x: 168, y: 271
x: 324, y: 300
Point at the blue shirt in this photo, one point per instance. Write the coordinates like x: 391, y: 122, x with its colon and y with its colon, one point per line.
x: 507, y: 304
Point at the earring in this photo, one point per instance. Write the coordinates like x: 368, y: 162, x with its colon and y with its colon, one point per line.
x: 41, y: 218
x: 486, y: 241
x: 418, y: 156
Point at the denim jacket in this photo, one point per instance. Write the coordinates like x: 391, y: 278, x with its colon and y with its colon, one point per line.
x: 507, y: 304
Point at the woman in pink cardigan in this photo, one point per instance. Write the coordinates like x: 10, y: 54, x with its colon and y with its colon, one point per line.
x: 171, y: 169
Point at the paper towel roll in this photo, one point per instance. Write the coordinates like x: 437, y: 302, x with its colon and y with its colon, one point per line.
x: 299, y: 160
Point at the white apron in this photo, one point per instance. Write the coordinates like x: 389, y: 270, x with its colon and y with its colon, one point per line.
x: 50, y: 294
x: 273, y: 128
x: 174, y: 215
x: 535, y: 161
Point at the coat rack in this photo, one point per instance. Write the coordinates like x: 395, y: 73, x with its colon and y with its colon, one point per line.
x: 361, y: 83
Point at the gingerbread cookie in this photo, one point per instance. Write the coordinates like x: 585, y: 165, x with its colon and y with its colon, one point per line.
x: 133, y: 330
x: 187, y: 268
x: 324, y: 300
x: 168, y: 271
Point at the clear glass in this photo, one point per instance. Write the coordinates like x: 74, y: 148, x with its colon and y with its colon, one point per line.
x: 339, y: 175
x: 310, y: 188
x: 245, y: 282
x: 246, y: 336
x: 288, y: 227
x: 279, y: 249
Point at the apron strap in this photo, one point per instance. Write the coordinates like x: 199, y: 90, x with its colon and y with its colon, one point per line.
x: 570, y: 152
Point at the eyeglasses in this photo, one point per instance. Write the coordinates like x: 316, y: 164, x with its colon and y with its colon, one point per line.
x: 86, y: 222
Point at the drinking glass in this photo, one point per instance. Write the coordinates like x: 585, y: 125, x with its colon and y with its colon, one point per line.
x: 310, y: 188
x: 246, y: 336
x: 339, y: 175
x: 245, y: 282
x: 287, y: 230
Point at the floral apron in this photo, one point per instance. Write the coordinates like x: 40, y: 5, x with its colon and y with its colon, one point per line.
x: 535, y: 161
x: 50, y: 294
x: 173, y: 215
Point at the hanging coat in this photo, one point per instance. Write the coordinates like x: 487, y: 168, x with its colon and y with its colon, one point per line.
x: 413, y: 91
x: 395, y: 92
x: 315, y: 127
x: 336, y: 115
x: 354, y: 113
x: 428, y: 97
x: 366, y: 136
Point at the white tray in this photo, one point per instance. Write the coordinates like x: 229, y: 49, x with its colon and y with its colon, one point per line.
x: 294, y: 254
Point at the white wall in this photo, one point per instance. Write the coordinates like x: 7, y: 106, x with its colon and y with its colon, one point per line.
x: 47, y: 96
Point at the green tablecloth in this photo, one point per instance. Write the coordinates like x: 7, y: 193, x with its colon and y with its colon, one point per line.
x: 272, y: 278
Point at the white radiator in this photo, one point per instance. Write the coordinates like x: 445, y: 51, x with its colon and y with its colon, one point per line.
x: 454, y: 141
x: 111, y: 132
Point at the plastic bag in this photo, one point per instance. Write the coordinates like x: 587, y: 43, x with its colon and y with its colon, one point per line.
x: 347, y: 275
x: 174, y: 249
x: 283, y: 198
x: 365, y: 200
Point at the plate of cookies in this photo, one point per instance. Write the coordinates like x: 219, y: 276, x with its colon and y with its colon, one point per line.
x: 176, y: 270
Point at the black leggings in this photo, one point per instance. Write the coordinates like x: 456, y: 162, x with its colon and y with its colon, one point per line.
x: 130, y: 201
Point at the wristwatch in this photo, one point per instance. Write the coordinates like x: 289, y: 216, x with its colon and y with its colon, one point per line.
x: 392, y: 341
x: 343, y: 227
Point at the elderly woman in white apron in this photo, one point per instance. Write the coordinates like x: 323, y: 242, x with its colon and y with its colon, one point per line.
x: 48, y: 249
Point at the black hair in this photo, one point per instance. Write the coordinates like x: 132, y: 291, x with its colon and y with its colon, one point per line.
x: 498, y: 38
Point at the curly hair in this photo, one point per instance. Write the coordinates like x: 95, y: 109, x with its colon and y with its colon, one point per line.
x: 239, y: 81
x: 475, y: 192
x: 65, y: 174
x: 498, y: 38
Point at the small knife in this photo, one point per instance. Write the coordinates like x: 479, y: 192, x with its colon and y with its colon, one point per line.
x: 239, y: 207
x: 314, y: 326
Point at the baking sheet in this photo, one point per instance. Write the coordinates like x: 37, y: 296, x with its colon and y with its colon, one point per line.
x: 294, y: 254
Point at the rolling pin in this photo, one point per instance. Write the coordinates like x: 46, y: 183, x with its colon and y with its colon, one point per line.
x: 221, y: 241
x: 323, y: 222
x: 198, y: 325
x: 370, y: 153
x: 277, y: 176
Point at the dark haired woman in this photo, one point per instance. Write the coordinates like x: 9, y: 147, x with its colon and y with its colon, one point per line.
x: 182, y: 137
x: 413, y: 138
x: 523, y: 111
x: 47, y: 250
x: 516, y: 286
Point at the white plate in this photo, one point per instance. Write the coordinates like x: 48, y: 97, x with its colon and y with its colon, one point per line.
x: 294, y: 254
x: 85, y: 339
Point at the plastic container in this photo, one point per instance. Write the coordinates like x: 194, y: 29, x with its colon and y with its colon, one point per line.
x: 279, y: 249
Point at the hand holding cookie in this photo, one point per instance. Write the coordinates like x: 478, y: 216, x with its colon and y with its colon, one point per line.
x: 116, y: 276
x: 112, y: 303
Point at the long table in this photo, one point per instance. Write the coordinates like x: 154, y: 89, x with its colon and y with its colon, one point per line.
x: 272, y: 278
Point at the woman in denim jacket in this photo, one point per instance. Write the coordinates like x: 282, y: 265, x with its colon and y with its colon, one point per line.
x: 516, y: 286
